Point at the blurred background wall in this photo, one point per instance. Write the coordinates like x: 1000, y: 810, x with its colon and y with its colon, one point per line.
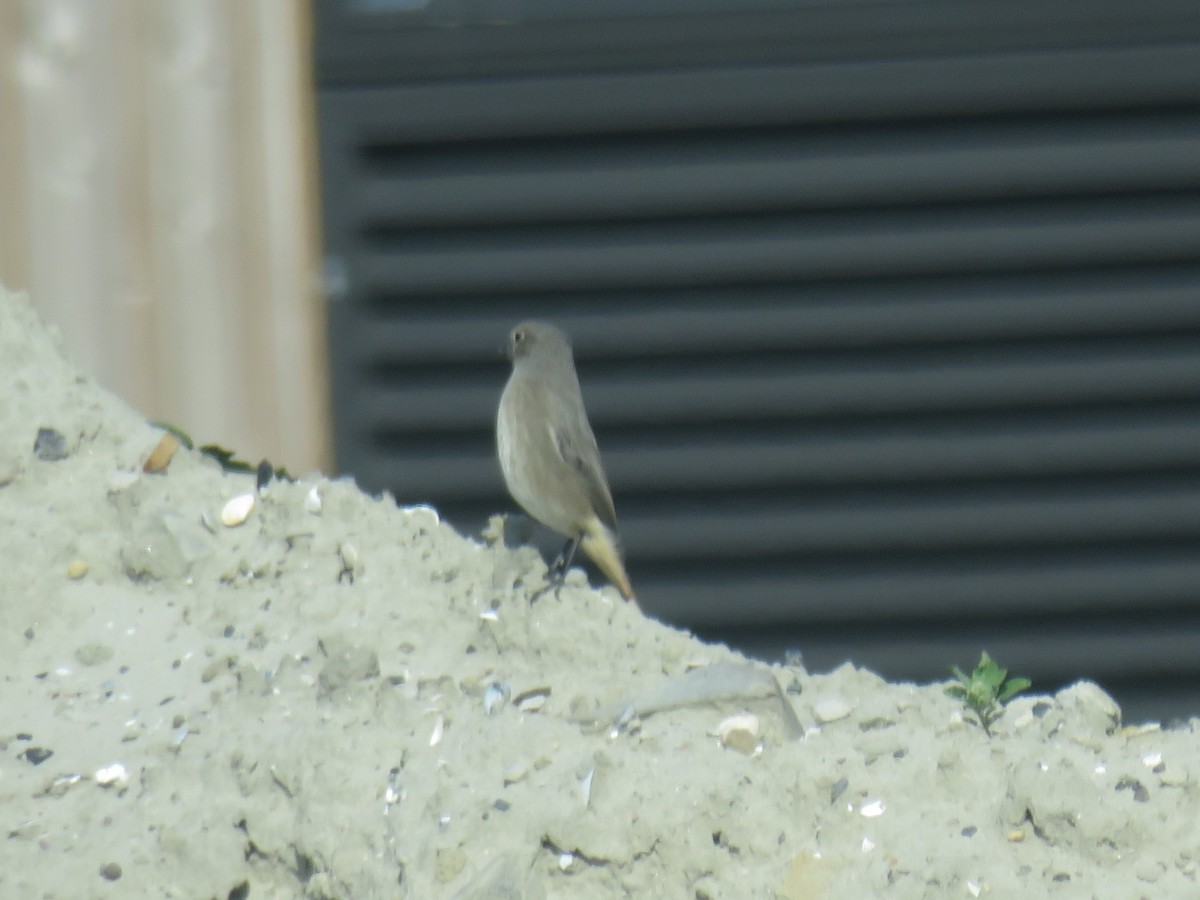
x: 887, y: 314
x: 158, y: 201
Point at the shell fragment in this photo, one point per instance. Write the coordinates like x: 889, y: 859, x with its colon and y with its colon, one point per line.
x: 741, y: 733
x: 237, y: 510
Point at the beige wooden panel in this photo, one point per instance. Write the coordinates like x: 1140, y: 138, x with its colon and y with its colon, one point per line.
x: 160, y: 206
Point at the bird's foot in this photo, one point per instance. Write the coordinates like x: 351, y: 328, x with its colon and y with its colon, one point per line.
x: 556, y: 576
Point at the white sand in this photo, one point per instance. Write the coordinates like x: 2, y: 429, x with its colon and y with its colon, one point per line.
x: 269, y: 726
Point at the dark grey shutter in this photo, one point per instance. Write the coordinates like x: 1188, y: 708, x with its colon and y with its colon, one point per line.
x: 887, y: 315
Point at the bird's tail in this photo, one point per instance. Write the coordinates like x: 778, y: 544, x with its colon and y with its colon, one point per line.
x: 600, y: 543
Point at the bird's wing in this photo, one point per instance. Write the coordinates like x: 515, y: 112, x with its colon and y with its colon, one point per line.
x: 577, y: 446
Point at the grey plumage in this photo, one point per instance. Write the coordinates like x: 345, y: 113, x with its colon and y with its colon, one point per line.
x: 547, y: 450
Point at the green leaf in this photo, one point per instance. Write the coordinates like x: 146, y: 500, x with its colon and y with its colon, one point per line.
x: 1013, y: 687
x: 985, y: 690
x: 183, y: 436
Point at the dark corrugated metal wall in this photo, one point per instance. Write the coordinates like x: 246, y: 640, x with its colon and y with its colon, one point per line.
x: 887, y: 315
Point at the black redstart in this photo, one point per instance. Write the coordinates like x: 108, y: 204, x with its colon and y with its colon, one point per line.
x: 547, y: 451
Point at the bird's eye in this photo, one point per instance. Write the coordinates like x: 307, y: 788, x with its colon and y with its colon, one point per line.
x: 518, y: 336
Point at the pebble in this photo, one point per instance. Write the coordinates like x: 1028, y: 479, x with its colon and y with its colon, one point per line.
x: 1149, y: 871
x: 516, y: 772
x: 532, y: 700
x: 131, y: 730
x: 115, y: 775
x: 60, y: 785
x: 830, y: 709
x: 740, y: 733
x: 50, y: 445
x: 873, y: 809
x: 37, y: 755
x: 494, y: 698
x: 160, y: 457
x: 585, y: 787
x: 237, y: 510
x: 76, y: 569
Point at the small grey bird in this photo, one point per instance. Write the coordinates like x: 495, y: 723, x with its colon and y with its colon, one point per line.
x: 548, y: 454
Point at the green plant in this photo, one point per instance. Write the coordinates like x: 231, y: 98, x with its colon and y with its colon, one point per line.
x: 986, y: 690
x: 227, y: 459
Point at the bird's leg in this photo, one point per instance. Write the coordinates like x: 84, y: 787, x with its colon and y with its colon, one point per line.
x: 558, y: 570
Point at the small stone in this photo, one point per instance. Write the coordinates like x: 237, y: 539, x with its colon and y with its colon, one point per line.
x: 494, y: 697
x: 63, y: 783
x: 423, y: 512
x: 830, y: 709
x: 263, y: 476
x: 50, y: 445
x: 515, y: 773
x: 37, y: 755
x: 1148, y: 870
x: 740, y: 733
x: 532, y: 700
x: 1016, y: 836
x: 838, y: 788
x: 585, y: 787
x: 160, y: 457
x: 351, y: 563
x: 76, y: 569
x: 110, y: 871
x: 1176, y: 776
x: 873, y: 809
x: 1140, y: 794
x: 115, y: 775
x: 237, y: 510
